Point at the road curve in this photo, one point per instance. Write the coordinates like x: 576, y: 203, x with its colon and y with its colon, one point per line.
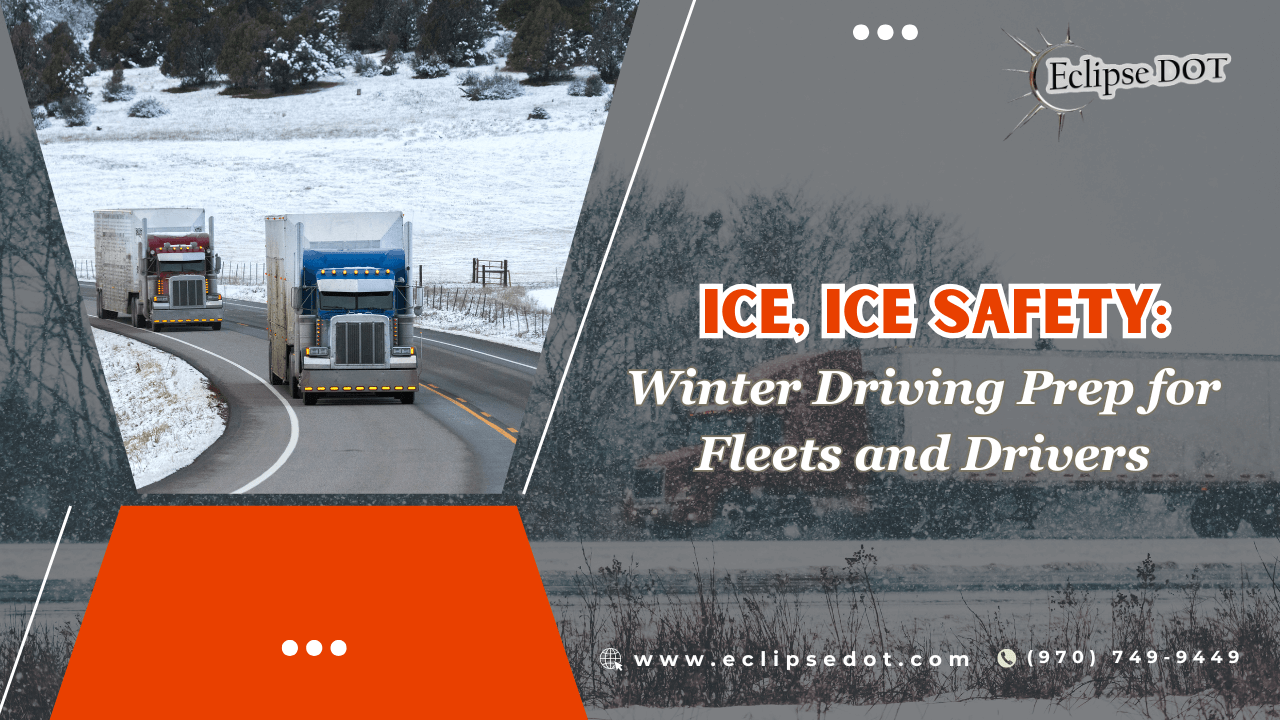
x: 457, y: 437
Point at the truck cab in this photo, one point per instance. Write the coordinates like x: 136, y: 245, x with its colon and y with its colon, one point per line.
x: 340, y: 306
x: 182, y: 280
x: 359, y: 345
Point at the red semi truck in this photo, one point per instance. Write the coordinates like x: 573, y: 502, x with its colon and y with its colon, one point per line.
x: 158, y: 267
x: 1219, y: 457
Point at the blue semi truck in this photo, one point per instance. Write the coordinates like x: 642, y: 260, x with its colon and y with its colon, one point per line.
x: 340, y: 306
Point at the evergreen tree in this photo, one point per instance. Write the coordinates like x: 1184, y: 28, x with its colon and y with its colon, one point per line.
x: 306, y: 50
x: 611, y: 22
x: 243, y: 57
x: 196, y: 35
x: 65, y: 66
x: 117, y: 90
x: 400, y: 17
x: 362, y: 21
x: 17, y: 12
x: 455, y: 30
x: 543, y: 47
x: 511, y: 14
x: 31, y: 55
x: 391, y: 57
x: 132, y: 31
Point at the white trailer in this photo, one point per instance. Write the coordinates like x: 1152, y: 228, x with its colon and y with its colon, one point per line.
x: 157, y: 266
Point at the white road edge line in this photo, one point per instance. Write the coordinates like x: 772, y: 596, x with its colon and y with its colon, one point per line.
x: 293, y: 418
x: 17, y: 658
x: 607, y: 249
x: 460, y: 347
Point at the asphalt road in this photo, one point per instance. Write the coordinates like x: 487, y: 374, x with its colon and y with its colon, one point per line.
x: 456, y: 438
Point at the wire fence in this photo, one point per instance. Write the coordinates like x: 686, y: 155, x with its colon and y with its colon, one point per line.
x: 243, y: 274
x: 483, y: 304
x: 86, y: 270
x: 486, y: 307
x: 250, y: 273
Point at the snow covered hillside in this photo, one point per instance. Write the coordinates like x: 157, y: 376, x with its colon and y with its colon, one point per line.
x: 167, y: 413
x: 478, y: 179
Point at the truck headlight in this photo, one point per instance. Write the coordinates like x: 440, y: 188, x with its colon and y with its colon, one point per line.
x: 318, y: 352
x: 402, y: 351
x: 160, y: 298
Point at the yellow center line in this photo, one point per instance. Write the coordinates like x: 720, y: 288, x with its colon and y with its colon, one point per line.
x: 501, y: 432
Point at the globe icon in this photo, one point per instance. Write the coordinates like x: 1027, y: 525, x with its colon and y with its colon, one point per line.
x: 611, y: 659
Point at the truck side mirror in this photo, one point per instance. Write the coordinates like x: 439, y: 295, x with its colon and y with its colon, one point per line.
x: 417, y: 300
x: 217, y: 264
x: 295, y: 297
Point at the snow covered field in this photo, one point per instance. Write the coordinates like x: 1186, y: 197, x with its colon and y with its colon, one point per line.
x: 167, y: 413
x: 477, y: 179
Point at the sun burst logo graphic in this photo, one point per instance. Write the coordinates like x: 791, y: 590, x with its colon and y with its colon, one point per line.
x: 1037, y: 58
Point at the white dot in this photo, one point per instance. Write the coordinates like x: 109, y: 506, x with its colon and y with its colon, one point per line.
x: 289, y: 648
x: 861, y: 32
x: 909, y: 32
x: 338, y: 648
x: 885, y: 32
x: 314, y: 647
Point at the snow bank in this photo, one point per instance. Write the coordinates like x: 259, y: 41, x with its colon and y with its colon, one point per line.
x: 254, y: 293
x: 514, y: 333
x: 167, y: 413
x: 544, y: 298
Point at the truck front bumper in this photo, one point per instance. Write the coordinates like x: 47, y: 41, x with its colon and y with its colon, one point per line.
x: 360, y: 381
x: 186, y: 316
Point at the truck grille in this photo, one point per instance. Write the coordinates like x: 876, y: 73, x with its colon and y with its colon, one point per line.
x: 186, y: 292
x: 360, y: 342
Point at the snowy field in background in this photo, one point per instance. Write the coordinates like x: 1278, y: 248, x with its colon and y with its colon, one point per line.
x: 477, y: 179
x: 166, y: 411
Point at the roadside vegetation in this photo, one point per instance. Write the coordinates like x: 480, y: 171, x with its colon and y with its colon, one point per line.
x: 620, y: 606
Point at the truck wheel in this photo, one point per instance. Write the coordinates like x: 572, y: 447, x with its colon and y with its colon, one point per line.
x: 296, y: 387
x: 310, y: 398
x: 217, y: 325
x: 139, y: 320
x: 1214, y: 516
x: 406, y: 398
x: 104, y: 313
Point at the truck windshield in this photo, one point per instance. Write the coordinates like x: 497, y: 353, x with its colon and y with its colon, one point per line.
x: 355, y: 301
x: 189, y: 266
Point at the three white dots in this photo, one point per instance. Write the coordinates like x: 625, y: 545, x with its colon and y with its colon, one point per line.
x: 315, y: 647
x: 885, y: 32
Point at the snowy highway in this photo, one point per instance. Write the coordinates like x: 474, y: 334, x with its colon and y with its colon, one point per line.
x: 456, y: 438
